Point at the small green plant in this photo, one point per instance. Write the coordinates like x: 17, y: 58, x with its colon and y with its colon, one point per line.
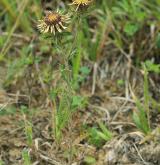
x: 1, y: 162
x: 27, y: 126
x: 26, y: 157
x: 120, y: 82
x: 152, y: 67
x: 97, y: 136
x: 90, y: 160
x: 141, y: 117
x: 63, y: 97
x: 130, y: 29
x: 78, y: 102
x: 29, y: 133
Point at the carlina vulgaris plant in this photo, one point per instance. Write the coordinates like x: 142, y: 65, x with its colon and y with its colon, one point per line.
x: 52, y: 23
x: 81, y: 3
x: 55, y: 22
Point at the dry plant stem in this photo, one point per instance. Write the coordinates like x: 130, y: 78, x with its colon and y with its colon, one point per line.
x: 123, y: 98
x: 128, y: 72
x: 120, y: 109
x: 40, y: 79
x: 70, y: 141
x: 2, y: 106
x: 53, y: 116
x: 146, y: 95
x: 11, y: 132
x: 140, y: 154
x: 94, y: 77
x: 105, y: 32
x: 102, y: 109
x: 17, y: 95
x: 116, y: 67
x: 103, y: 40
x: 19, y: 36
x: 122, y: 123
x: 6, y: 50
x: 127, y: 95
x: 8, y: 7
x: 49, y: 160
x: 23, y: 6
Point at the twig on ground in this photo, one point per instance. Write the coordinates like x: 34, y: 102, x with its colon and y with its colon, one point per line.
x: 145, y: 163
x: 94, y: 77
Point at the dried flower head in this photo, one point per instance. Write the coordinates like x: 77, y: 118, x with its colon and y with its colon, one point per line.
x: 81, y: 3
x: 52, y: 22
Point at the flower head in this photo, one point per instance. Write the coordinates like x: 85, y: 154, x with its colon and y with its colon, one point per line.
x: 81, y: 3
x: 52, y: 22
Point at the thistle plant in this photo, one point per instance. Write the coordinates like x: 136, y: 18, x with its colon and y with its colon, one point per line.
x: 81, y: 3
x: 52, y: 22
x: 55, y: 23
